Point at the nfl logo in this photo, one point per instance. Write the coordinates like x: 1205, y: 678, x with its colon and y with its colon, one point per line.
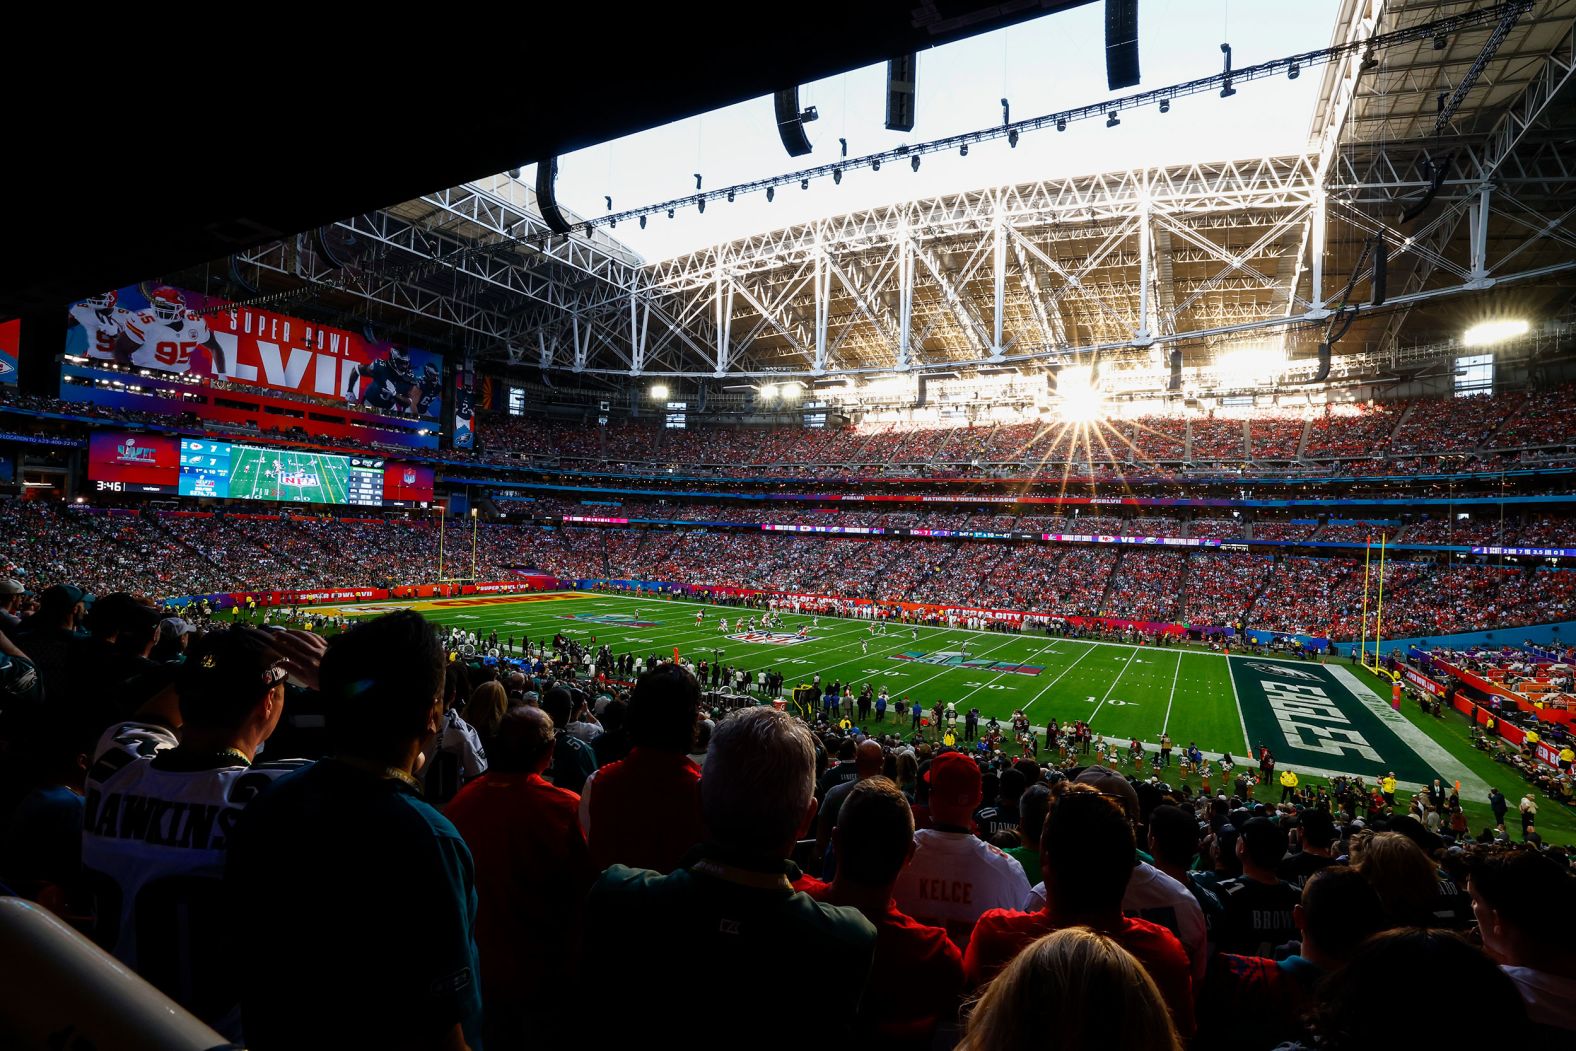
x: 410, y: 476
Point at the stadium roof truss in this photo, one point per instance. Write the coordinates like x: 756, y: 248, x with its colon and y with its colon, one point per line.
x: 1123, y: 265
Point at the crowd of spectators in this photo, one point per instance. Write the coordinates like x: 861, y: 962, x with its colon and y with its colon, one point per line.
x: 1216, y: 439
x: 635, y: 843
x: 173, y: 554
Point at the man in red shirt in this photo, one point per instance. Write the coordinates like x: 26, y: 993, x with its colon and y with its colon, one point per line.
x: 532, y: 874
x: 644, y: 810
x: 917, y: 975
x: 1086, y: 856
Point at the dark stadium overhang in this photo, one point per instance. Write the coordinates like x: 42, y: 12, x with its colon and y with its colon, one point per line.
x: 127, y: 165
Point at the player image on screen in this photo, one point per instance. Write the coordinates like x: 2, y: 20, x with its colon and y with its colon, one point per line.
x: 390, y: 384
x: 429, y: 389
x: 102, y: 321
x: 169, y: 337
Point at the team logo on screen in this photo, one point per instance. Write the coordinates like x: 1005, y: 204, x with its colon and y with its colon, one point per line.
x: 959, y: 659
x: 770, y: 638
x: 409, y: 476
x: 617, y: 620
x: 6, y: 368
x: 1286, y: 670
x: 129, y: 451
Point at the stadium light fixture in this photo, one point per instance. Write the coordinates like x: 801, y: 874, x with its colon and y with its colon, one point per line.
x: 768, y: 392
x: 659, y: 392
x: 1247, y: 366
x: 1081, y: 400
x: 963, y: 150
x: 1490, y: 332
x: 1165, y: 105
x: 790, y: 392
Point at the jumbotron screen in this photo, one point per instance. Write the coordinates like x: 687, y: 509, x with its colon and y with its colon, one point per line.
x: 119, y: 462
x: 228, y: 471
x: 127, y: 462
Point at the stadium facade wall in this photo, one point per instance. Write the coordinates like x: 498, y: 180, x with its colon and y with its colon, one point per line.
x: 1562, y: 633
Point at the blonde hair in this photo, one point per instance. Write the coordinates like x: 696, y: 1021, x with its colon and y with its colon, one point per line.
x: 484, y: 711
x: 1069, y: 991
x: 1400, y: 873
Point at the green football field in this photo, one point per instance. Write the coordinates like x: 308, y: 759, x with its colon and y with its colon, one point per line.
x: 255, y: 476
x: 1319, y: 720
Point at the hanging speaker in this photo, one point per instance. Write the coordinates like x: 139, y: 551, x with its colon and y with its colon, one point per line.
x: 1381, y: 266
x: 902, y: 80
x: 919, y: 392
x: 546, y: 196
x: 790, y: 124
x: 1176, y: 371
x: 1121, y: 43
x: 1323, y: 372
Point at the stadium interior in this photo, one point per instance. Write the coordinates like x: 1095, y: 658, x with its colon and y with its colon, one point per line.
x: 1210, y: 508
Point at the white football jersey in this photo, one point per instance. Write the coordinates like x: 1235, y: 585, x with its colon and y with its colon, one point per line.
x: 956, y: 877
x: 103, y: 329
x: 165, y: 345
x: 142, y: 823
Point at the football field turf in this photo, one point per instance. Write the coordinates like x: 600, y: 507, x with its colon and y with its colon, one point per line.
x: 253, y: 476
x: 1316, y: 719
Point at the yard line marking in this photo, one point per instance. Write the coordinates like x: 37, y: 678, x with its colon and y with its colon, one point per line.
x: 1237, y: 700
x: 1090, y: 648
x: 1112, y: 690
x: 1167, y: 720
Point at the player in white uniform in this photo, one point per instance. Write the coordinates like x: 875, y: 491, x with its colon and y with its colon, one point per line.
x: 102, y: 323
x: 700, y: 615
x: 166, y: 335
x: 722, y: 625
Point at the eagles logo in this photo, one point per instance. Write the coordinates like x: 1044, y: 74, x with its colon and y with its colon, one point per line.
x: 1281, y: 669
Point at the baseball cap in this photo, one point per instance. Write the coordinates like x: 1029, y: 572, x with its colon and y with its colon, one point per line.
x: 226, y: 672
x: 1110, y: 783
x: 12, y: 586
x: 954, y: 778
x: 67, y: 595
x: 176, y: 626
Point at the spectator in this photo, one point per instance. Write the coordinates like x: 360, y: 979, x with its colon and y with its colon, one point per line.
x: 1173, y: 843
x: 732, y: 911
x: 1400, y: 873
x: 47, y: 636
x: 532, y: 874
x: 346, y: 855
x: 869, y: 761
x: 41, y: 855
x: 1001, y: 815
x: 573, y: 759
x: 159, y: 808
x: 954, y: 876
x: 644, y: 811
x: 1254, y: 1001
x: 1357, y: 1009
x: 1318, y: 833
x: 484, y: 711
x: 11, y: 592
x: 1087, y: 857
x: 1534, y: 944
x: 1032, y: 806
x: 612, y: 744
x: 917, y: 975
x: 1072, y: 990
x: 1151, y: 894
x: 1258, y: 903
